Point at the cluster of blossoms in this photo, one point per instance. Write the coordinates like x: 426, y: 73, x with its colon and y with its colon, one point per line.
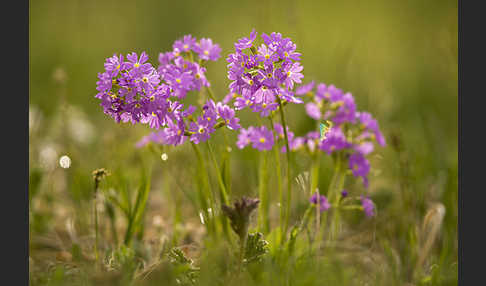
x: 262, y: 138
x: 132, y: 90
x: 352, y: 133
x: 260, y: 76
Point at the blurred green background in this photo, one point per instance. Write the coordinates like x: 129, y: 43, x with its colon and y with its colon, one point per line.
x: 398, y: 59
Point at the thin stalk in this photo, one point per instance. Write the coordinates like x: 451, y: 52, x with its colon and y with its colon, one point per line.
x: 313, y: 189
x: 264, y: 223
x: 289, y: 180
x: 204, y: 191
x: 96, y: 218
x: 341, y: 174
x: 223, y: 194
x: 328, y: 195
x: 279, y: 180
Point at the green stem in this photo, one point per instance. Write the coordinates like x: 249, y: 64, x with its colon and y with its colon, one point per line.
x: 313, y: 189
x: 210, y: 93
x: 289, y: 179
x: 279, y: 180
x: 341, y: 175
x: 204, y: 190
x: 264, y: 223
x: 96, y: 221
x: 223, y: 194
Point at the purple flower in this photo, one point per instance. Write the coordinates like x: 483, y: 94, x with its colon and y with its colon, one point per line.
x: 346, y: 110
x: 245, y: 43
x: 202, y: 130
x: 368, y: 206
x: 244, y: 137
x: 306, y: 88
x: 228, y: 115
x: 293, y: 74
x: 313, y: 111
x: 207, y: 50
x: 335, y: 140
x: 262, y: 138
x: 344, y: 193
x: 186, y: 44
x: 360, y: 166
x: 324, y: 205
x: 371, y: 125
x: 263, y: 76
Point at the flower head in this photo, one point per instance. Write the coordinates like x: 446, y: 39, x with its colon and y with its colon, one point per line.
x: 368, y: 206
x: 324, y: 205
x: 206, y: 50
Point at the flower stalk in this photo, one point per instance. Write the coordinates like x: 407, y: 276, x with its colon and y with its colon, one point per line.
x: 289, y: 180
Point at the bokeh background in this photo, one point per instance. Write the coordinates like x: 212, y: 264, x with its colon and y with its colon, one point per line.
x: 398, y: 59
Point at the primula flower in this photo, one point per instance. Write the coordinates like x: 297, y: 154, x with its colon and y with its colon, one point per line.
x: 228, y: 115
x: 186, y: 44
x: 371, y: 125
x: 335, y: 141
x: 201, y: 129
x: 262, y: 138
x: 266, y: 74
x: 206, y: 50
x: 324, y: 205
x: 360, y: 166
x: 245, y: 43
x: 306, y: 88
x: 368, y: 206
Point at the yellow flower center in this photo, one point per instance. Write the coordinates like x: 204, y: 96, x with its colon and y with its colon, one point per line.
x: 206, y: 52
x: 286, y: 54
x: 136, y: 65
x: 153, y: 114
x: 152, y: 98
x: 177, y: 54
x: 179, y: 132
x: 242, y: 64
x: 118, y: 67
x: 262, y: 140
x: 235, y: 95
x: 137, y: 105
x: 264, y: 105
x: 247, y: 102
x: 178, y: 80
x: 198, y: 76
x: 289, y: 73
x: 145, y: 79
x: 327, y: 95
x: 250, y: 82
x: 355, y: 167
x: 113, y: 81
x: 208, y: 118
x: 186, y: 46
x: 264, y: 88
x: 267, y: 57
x: 269, y: 75
x: 201, y: 130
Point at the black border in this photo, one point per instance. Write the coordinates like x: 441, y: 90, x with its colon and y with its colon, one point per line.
x: 471, y: 192
x: 14, y: 213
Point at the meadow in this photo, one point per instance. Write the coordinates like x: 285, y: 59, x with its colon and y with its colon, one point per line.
x: 222, y: 201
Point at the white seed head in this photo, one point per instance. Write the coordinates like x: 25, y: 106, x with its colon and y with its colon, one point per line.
x: 65, y: 162
x: 164, y: 157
